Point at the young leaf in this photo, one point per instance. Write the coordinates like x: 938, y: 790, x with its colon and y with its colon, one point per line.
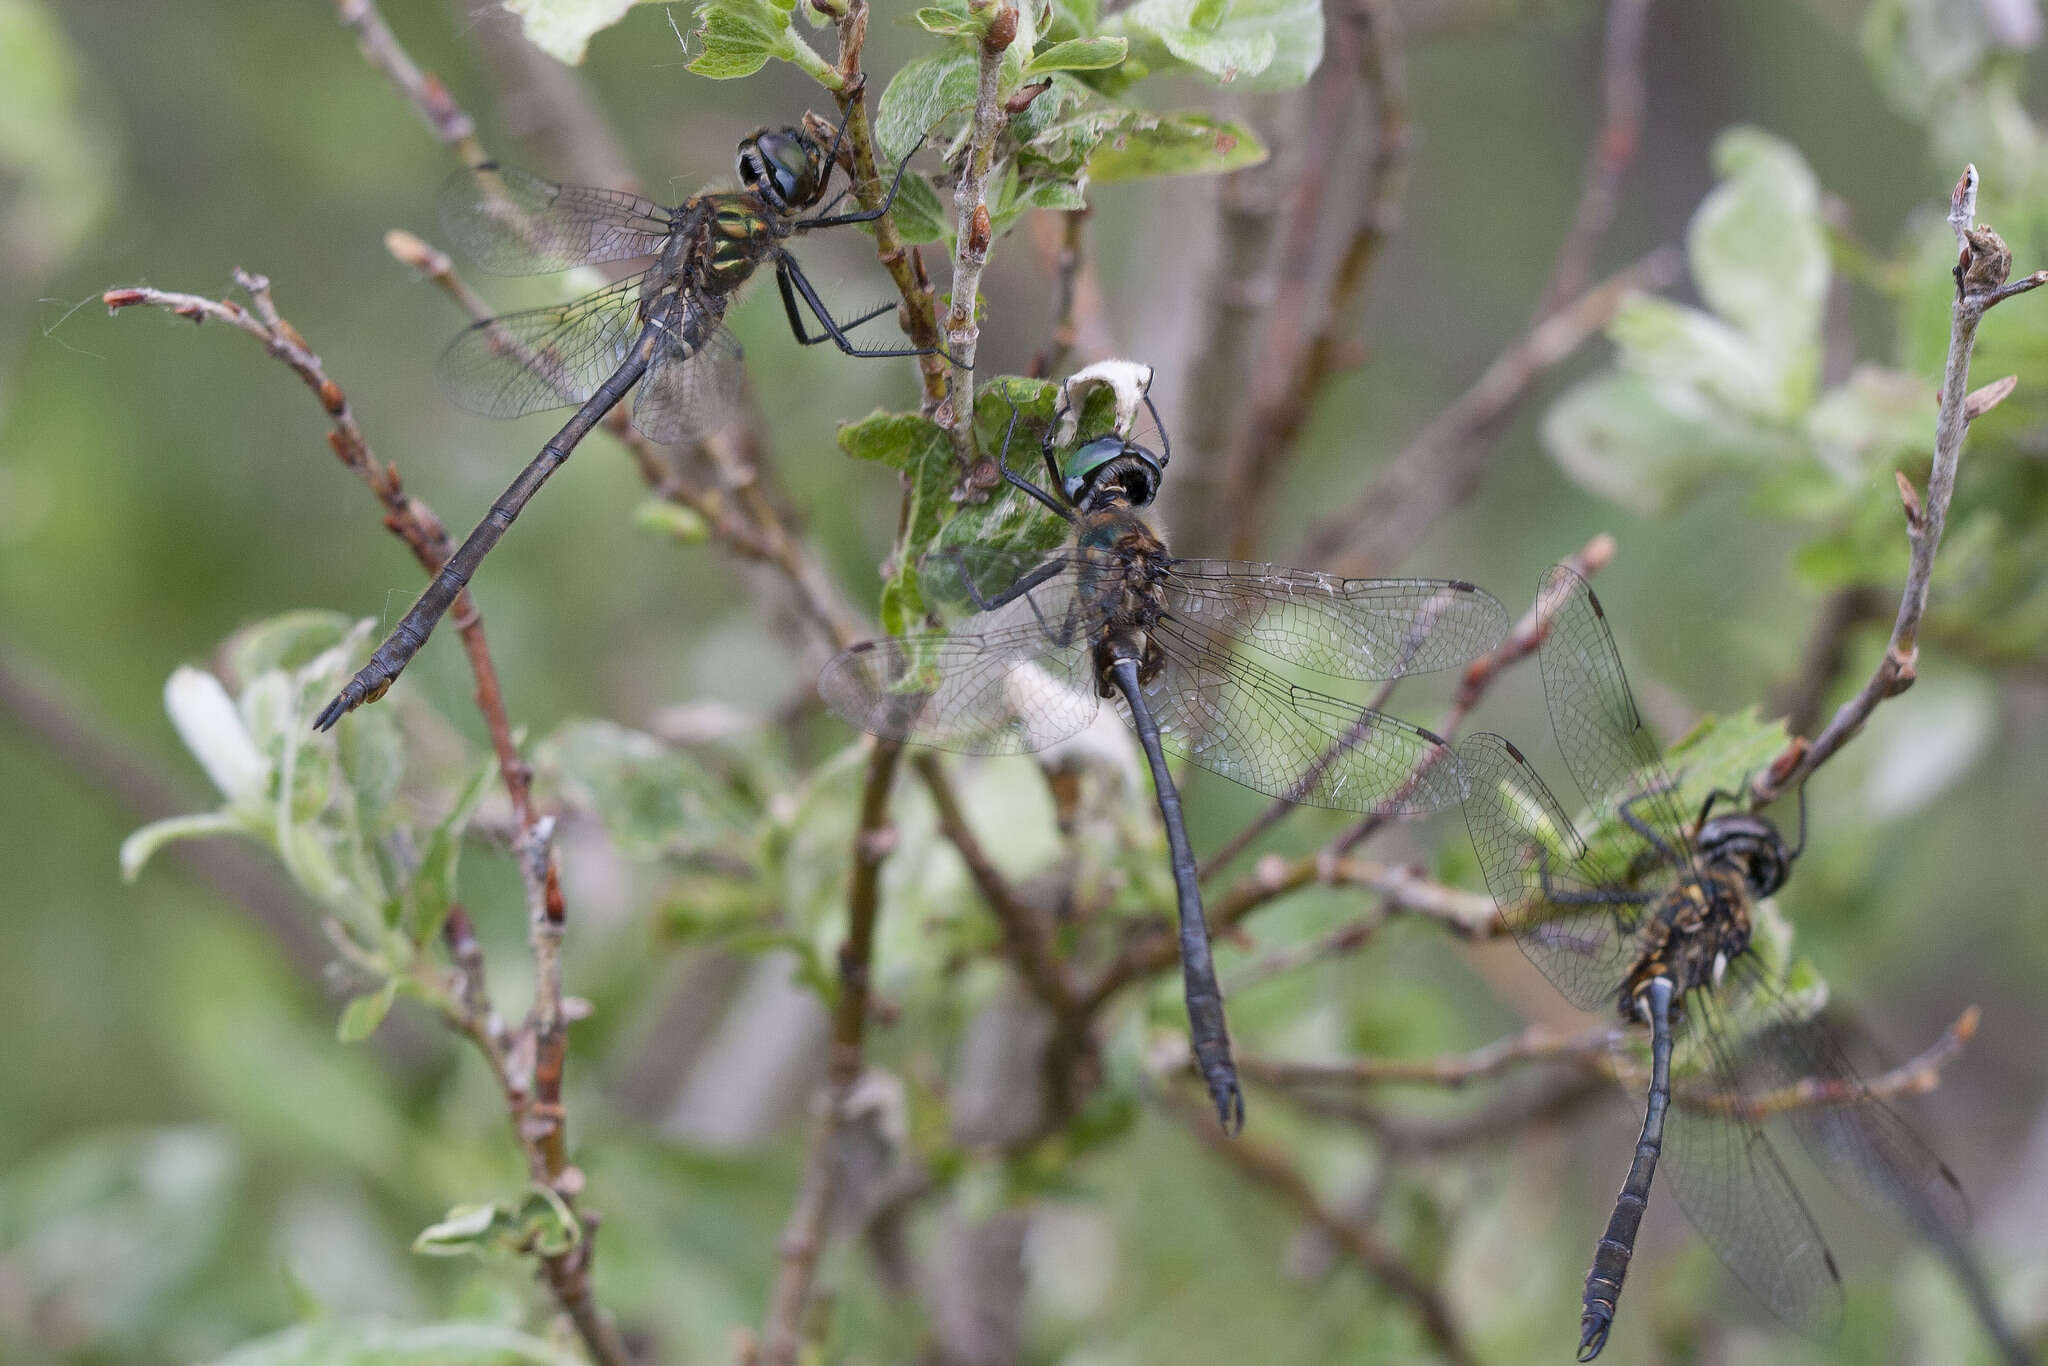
x: 563, y: 28
x: 139, y: 848
x: 433, y: 887
x: 1077, y: 54
x: 1148, y: 145
x: 1256, y: 44
x: 211, y: 726
x: 920, y: 96
x: 919, y: 213
x: 739, y: 37
x: 361, y: 1016
x: 1757, y: 247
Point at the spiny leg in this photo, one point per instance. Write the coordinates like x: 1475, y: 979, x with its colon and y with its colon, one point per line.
x: 789, y: 274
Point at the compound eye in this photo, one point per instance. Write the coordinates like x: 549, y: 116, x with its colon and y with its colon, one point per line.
x: 785, y: 162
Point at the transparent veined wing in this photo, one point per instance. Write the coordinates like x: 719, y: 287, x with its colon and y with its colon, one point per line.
x: 1009, y: 682
x: 1347, y: 628
x: 1226, y: 713
x: 1576, y: 922
x: 1610, y: 750
x: 693, y: 385
x: 1727, y: 1176
x: 509, y: 222
x: 544, y: 357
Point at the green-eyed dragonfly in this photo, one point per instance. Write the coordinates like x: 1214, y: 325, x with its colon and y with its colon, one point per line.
x: 661, y: 328
x: 1652, y: 914
x: 1176, y: 643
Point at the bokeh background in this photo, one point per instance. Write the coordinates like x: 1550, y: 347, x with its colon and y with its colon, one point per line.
x: 188, y: 1158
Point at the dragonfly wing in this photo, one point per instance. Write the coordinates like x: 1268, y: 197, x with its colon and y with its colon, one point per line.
x: 1573, y: 919
x: 1862, y: 1143
x: 1347, y: 628
x: 1009, y: 682
x: 1610, y: 750
x: 544, y: 357
x: 969, y: 577
x: 511, y: 223
x: 692, y: 388
x: 1234, y: 718
x: 1730, y: 1182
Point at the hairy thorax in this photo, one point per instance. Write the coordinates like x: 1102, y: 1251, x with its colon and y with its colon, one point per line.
x: 1702, y: 924
x: 1127, y: 564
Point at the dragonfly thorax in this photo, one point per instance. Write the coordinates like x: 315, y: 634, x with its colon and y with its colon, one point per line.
x: 1698, y: 929
x: 1123, y: 577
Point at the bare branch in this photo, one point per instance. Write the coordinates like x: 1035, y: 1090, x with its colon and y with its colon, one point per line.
x: 422, y: 89
x: 1267, y: 1167
x: 1614, y: 151
x: 973, y: 233
x: 1537, y: 1043
x: 1982, y: 265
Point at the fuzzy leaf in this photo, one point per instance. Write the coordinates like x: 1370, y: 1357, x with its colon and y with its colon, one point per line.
x: 563, y: 28
x: 739, y: 37
x: 1148, y: 145
x: 139, y: 848
x: 1255, y: 44
x: 211, y: 726
x: 1078, y: 54
x: 1757, y: 247
x: 921, y: 95
x: 361, y: 1016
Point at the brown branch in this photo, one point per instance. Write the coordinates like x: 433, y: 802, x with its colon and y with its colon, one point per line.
x: 1077, y: 294
x: 1614, y: 151
x: 414, y: 523
x: 1983, y: 263
x: 903, y: 262
x: 422, y: 89
x: 803, y: 1235
x: 1444, y: 463
x: 1267, y: 1167
x: 1915, y: 1078
x: 1298, y: 363
x: 1537, y: 1043
x: 973, y: 235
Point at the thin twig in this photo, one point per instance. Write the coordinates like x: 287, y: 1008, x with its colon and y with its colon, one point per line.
x: 414, y: 523
x: 1076, y: 294
x: 803, y: 1235
x: 1445, y: 461
x: 1983, y: 263
x: 1614, y: 151
x: 1537, y: 1043
x: 1267, y: 1167
x: 1297, y: 363
x: 973, y: 234
x: 422, y: 89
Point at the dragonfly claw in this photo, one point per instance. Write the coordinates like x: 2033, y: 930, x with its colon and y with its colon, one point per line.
x: 1593, y: 1334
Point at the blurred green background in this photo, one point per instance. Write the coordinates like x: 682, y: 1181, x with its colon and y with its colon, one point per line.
x: 188, y: 1160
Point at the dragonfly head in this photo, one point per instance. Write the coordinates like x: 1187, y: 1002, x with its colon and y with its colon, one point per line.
x: 1111, y: 465
x: 1752, y: 845
x: 784, y: 166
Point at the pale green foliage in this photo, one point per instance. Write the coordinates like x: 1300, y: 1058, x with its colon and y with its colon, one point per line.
x: 376, y: 1342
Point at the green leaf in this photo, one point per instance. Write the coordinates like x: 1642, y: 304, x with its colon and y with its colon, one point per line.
x: 361, y: 1016
x: 1078, y: 54
x: 1669, y: 343
x: 920, y: 215
x: 139, y: 848
x: 563, y: 28
x: 290, y: 640
x: 654, y: 798
x: 686, y: 525
x: 378, y: 1342
x: 922, y: 95
x: 1255, y: 44
x: 1649, y: 445
x: 739, y: 37
x: 1147, y: 145
x: 538, y: 1222
x: 432, y: 891
x: 952, y: 20
x: 1757, y: 246
x: 1721, y: 753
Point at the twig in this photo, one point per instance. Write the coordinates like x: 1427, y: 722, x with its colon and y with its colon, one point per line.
x: 1983, y: 263
x: 904, y: 264
x: 422, y: 89
x: 1443, y: 464
x: 803, y: 1235
x: 1537, y: 1043
x: 1614, y: 151
x: 1914, y: 1078
x: 973, y: 234
x: 1075, y: 292
x: 414, y: 523
x: 1297, y: 364
x: 1266, y: 1167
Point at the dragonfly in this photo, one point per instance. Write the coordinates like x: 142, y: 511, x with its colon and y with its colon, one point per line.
x: 661, y: 329
x: 1177, y: 644
x: 1654, y: 918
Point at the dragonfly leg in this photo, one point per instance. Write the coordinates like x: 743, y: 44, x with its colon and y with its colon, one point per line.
x: 833, y: 220
x: 1018, y: 481
x: 789, y: 275
x: 390, y: 658
x: 1208, y: 1034
x: 1636, y: 823
x: 1602, y: 896
x: 1618, y: 1243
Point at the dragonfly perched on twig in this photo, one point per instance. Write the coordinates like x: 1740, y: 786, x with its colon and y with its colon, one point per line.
x: 1653, y: 914
x: 1176, y: 643
x: 661, y: 328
